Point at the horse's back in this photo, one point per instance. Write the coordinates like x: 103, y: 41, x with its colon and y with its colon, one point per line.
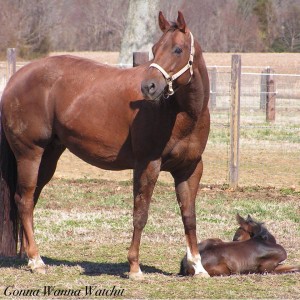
x: 84, y: 104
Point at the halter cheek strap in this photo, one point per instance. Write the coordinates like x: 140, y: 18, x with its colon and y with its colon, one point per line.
x: 188, y: 66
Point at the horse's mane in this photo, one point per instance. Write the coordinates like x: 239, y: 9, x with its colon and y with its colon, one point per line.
x: 261, y: 232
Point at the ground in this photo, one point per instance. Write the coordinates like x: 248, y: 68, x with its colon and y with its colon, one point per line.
x: 84, y: 226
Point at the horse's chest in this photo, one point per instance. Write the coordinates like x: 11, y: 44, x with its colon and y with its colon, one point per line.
x: 185, y: 151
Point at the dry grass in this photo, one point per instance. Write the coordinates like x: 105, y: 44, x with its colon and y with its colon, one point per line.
x: 83, y: 228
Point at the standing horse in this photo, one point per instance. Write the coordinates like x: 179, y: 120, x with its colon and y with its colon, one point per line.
x: 253, y: 250
x: 150, y: 118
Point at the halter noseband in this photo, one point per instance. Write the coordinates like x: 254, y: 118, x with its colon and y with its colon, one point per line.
x: 188, y: 66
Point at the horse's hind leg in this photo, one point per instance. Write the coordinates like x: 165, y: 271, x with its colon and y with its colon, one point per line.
x: 46, y: 170
x: 28, y: 168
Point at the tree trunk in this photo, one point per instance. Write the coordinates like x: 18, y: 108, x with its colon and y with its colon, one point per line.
x: 141, y: 28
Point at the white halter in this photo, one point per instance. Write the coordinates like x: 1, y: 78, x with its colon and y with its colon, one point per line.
x: 170, y: 78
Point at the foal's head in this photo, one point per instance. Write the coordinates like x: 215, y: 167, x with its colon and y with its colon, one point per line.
x: 173, y: 59
x: 250, y: 228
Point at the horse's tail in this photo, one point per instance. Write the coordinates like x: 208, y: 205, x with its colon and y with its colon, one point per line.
x: 8, y: 211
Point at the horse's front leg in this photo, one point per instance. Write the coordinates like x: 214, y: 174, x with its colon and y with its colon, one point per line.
x: 186, y: 185
x: 145, y: 177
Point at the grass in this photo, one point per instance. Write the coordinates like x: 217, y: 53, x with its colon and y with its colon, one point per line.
x: 84, y: 227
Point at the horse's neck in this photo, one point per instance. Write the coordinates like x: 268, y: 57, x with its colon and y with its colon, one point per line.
x: 191, y: 98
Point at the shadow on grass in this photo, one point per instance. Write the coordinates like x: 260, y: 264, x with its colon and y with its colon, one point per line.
x: 89, y: 268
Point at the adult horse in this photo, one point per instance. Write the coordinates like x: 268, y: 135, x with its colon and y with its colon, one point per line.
x: 114, y: 119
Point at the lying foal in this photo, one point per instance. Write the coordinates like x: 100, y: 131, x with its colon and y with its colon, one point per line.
x: 253, y: 250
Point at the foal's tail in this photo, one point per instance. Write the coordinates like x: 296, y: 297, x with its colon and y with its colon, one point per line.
x: 8, y: 210
x: 286, y: 269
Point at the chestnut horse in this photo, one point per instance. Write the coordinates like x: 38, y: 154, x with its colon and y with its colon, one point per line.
x: 253, y: 250
x: 150, y: 118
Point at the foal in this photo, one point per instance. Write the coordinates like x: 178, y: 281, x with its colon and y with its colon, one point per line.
x: 253, y: 250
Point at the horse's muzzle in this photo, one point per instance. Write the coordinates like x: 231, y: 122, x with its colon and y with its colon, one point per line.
x: 152, y: 89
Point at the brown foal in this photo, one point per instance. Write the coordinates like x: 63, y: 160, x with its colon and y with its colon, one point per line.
x: 253, y: 250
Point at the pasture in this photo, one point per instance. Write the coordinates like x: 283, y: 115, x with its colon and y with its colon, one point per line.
x: 83, y: 220
x: 83, y: 228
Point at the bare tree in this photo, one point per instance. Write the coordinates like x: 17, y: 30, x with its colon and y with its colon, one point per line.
x: 290, y: 28
x: 140, y: 28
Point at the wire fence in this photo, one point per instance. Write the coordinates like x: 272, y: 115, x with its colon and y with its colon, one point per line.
x: 269, y: 151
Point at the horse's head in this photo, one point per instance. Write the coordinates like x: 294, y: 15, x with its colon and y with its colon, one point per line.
x: 250, y: 228
x: 173, y: 59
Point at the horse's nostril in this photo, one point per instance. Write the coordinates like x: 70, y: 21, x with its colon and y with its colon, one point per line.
x: 152, y: 87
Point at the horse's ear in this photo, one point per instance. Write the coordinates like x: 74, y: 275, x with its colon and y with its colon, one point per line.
x: 164, y: 25
x: 240, y: 220
x: 249, y: 218
x: 181, y: 22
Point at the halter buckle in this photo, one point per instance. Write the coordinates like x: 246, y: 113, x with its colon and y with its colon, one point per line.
x: 170, y: 87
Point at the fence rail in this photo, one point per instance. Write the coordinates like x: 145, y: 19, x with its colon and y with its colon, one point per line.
x: 269, y: 146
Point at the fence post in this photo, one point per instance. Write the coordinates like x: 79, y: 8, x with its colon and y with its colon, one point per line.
x: 235, y: 92
x: 270, y: 96
x: 213, y: 88
x: 263, y: 89
x: 11, y: 62
x: 140, y: 58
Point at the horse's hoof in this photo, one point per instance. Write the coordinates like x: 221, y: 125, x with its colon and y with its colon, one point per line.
x: 202, y: 275
x: 137, y: 276
x: 40, y: 270
x: 37, y: 265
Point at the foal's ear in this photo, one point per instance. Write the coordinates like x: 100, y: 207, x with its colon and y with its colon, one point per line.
x: 164, y: 25
x: 243, y: 223
x: 240, y: 220
x: 181, y: 22
x: 249, y: 219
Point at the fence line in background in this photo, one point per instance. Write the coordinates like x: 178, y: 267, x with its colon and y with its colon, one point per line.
x: 267, y: 118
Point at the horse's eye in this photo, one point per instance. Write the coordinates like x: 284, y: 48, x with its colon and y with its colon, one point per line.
x: 177, y: 50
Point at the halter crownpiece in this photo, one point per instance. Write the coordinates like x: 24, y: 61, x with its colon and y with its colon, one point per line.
x: 188, y: 66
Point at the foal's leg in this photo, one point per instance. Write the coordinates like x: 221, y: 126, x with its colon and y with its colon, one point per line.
x: 272, y: 258
x: 286, y: 269
x: 145, y: 177
x: 186, y: 185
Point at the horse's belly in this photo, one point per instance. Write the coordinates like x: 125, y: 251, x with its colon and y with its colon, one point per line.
x: 102, y: 156
x: 99, y: 148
